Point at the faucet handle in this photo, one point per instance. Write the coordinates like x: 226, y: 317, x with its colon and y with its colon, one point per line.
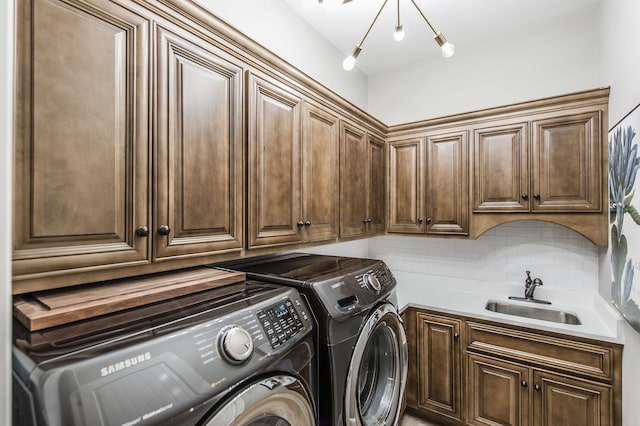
x: 528, y: 280
x: 528, y: 274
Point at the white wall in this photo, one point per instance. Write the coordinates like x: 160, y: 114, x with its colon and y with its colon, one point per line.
x: 566, y: 262
x: 619, y: 64
x: 556, y: 59
x: 272, y: 24
x: 6, y: 155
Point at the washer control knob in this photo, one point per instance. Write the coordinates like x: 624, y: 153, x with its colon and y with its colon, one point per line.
x: 372, y: 283
x: 235, y: 344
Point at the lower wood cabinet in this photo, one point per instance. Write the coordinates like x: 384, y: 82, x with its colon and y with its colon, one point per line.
x: 465, y: 371
x: 435, y: 374
x: 497, y: 391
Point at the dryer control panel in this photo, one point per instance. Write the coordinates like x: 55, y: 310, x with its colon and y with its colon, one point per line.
x: 281, y: 322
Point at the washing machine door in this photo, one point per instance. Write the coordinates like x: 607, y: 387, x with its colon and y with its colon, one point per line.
x: 378, y: 370
x: 275, y: 401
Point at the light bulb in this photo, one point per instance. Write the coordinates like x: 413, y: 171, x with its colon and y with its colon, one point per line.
x: 348, y: 63
x: 448, y: 50
x: 398, y: 34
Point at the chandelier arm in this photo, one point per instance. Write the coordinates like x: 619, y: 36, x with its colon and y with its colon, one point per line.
x: 424, y: 17
x: 372, y: 23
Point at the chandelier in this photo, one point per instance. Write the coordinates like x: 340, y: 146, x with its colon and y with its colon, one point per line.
x: 448, y: 49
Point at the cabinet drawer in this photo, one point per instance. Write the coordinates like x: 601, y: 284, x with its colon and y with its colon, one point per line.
x: 549, y: 352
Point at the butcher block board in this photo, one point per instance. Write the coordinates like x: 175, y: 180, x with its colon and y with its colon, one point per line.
x: 45, y: 309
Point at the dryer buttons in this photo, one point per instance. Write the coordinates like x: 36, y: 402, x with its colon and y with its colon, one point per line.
x: 281, y: 322
x: 235, y: 344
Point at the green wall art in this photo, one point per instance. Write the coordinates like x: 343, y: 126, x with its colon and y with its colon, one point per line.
x: 624, y: 164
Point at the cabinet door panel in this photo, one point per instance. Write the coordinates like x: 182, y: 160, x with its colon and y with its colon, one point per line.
x: 447, y: 184
x: 198, y: 146
x: 439, y: 365
x: 375, y: 184
x: 563, y: 401
x: 353, y: 196
x: 406, y: 186
x: 81, y: 163
x: 274, y: 164
x: 320, y: 180
x: 498, y: 392
x: 501, y: 176
x: 566, y: 163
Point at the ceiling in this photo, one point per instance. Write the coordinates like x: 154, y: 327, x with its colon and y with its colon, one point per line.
x: 463, y: 22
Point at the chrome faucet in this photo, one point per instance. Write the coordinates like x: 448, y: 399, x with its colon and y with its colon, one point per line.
x: 530, y: 285
x: 529, y: 288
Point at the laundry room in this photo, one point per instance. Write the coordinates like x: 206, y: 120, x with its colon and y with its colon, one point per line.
x: 414, y: 212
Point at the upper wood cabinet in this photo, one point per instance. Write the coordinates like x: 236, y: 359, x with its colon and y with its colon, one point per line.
x: 566, y: 163
x: 82, y: 140
x: 429, y: 185
x: 293, y: 167
x: 274, y: 207
x: 198, y: 148
x: 362, y: 174
x: 501, y: 168
x: 320, y: 174
x: 376, y: 173
x: 87, y: 205
x: 407, y: 186
x: 558, y: 171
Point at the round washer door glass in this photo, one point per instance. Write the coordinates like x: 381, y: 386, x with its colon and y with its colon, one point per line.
x: 378, y: 370
x: 274, y: 401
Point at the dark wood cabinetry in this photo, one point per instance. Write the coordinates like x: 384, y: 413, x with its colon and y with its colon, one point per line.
x: 429, y: 184
x: 198, y: 149
x: 362, y: 174
x: 151, y: 136
x: 274, y: 176
x: 81, y: 186
x: 434, y: 379
x: 566, y: 163
x: 320, y: 174
x: 497, y: 392
x: 99, y: 195
x: 555, y: 169
x: 447, y: 195
x: 293, y: 167
x: 510, y: 375
x: 501, y: 168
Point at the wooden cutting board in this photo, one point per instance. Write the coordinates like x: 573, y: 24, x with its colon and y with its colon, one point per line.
x: 45, y: 309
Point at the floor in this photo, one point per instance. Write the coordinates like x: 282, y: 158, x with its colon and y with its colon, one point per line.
x: 410, y: 420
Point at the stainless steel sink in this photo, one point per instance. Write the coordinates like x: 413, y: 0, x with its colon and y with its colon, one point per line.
x: 534, y: 312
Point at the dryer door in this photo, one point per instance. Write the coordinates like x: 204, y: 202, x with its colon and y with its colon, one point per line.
x: 274, y: 401
x: 378, y: 370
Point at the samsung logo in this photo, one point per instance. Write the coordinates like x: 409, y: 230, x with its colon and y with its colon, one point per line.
x: 124, y: 364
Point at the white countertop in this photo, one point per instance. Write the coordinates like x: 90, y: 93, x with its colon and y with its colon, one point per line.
x: 599, y: 319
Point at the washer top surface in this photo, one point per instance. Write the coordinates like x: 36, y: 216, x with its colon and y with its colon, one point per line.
x: 339, y: 287
x: 302, y: 267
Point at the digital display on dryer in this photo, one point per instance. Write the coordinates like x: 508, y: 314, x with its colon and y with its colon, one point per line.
x: 280, y: 322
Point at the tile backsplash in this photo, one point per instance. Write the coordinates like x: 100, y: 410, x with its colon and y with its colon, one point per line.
x: 562, y: 258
